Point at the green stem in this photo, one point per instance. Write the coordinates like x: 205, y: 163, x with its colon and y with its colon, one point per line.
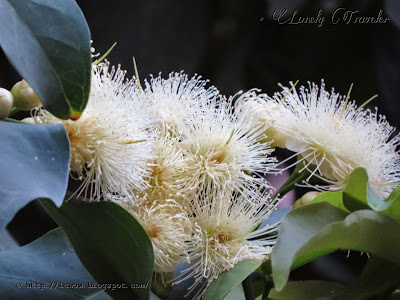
x: 268, y: 285
x: 13, y: 111
x: 11, y: 120
x: 248, y: 289
x: 295, y: 178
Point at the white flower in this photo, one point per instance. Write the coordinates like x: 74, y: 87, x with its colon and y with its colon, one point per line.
x: 112, y: 143
x: 224, y: 149
x: 262, y: 111
x: 333, y: 137
x: 224, y: 233
x: 168, y: 169
x: 169, y: 229
x: 171, y: 98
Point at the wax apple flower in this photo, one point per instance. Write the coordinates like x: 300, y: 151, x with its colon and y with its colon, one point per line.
x: 169, y: 229
x: 333, y: 137
x: 112, y: 143
x: 262, y: 111
x: 168, y: 169
x: 223, y: 149
x: 171, y: 98
x: 225, y: 236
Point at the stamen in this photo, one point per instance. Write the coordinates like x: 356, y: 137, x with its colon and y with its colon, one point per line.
x: 346, y: 101
x: 366, y: 102
x: 96, y: 62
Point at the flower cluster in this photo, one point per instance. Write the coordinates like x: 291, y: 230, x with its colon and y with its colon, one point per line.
x: 201, y: 191
x: 112, y: 144
x: 330, y: 136
x: 189, y: 164
x: 183, y: 162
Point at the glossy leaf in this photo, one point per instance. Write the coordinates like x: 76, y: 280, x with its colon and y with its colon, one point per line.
x: 111, y: 244
x: 375, y: 201
x: 358, y: 194
x: 355, y: 192
x: 34, y: 163
x: 297, y: 228
x: 226, y: 281
x: 389, y: 206
x: 334, y: 198
x: 48, y: 43
x: 236, y: 293
x: 40, y: 269
x: 6, y: 240
x: 319, y: 229
x: 305, y: 290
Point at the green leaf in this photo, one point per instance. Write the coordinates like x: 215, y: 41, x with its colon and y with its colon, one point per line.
x: 319, y: 229
x: 48, y: 43
x: 334, y: 198
x: 390, y: 206
x: 34, y: 163
x: 378, y: 278
x: 394, y: 209
x: 236, y: 293
x: 355, y: 192
x: 6, y: 240
x: 358, y: 194
x: 111, y: 244
x: 226, y: 281
x: 305, y: 290
x: 38, y: 270
x: 375, y: 201
x: 297, y: 228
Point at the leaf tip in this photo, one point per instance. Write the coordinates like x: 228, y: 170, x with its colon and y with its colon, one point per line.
x: 75, y: 115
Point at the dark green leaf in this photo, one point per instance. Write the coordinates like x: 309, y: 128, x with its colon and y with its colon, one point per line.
x: 6, y: 240
x: 318, y: 229
x: 111, y: 244
x: 38, y: 270
x: 226, y: 281
x: 266, y: 268
x: 334, y: 198
x: 377, y: 278
x: 355, y: 192
x: 305, y: 290
x: 48, y: 42
x: 34, y: 162
x: 297, y: 228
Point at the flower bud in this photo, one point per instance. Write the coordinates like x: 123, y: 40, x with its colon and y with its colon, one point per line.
x: 306, y: 199
x: 29, y: 121
x: 25, y: 97
x: 6, y: 103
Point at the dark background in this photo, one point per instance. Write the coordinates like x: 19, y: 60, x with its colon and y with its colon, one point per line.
x: 238, y: 45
